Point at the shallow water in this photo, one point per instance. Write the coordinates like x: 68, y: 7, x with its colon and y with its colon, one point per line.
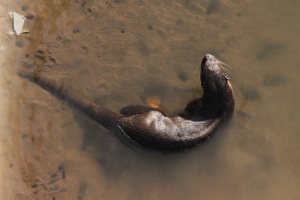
x: 119, y: 53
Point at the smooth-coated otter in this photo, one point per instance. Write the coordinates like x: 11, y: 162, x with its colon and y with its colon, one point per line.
x: 150, y: 127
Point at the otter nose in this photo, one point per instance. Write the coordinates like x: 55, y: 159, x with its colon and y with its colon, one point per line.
x: 207, y: 58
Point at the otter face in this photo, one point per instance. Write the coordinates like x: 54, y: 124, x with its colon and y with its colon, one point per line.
x: 213, y: 76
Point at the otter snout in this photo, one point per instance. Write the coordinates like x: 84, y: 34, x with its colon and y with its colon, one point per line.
x: 210, y: 62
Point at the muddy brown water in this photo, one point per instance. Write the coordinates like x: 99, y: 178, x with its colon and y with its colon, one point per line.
x: 124, y: 52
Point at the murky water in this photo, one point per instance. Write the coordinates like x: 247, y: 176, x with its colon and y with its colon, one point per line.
x: 119, y: 53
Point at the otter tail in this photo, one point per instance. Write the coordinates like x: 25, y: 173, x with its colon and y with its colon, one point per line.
x: 103, y: 116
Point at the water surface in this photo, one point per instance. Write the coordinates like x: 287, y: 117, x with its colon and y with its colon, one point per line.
x: 124, y: 52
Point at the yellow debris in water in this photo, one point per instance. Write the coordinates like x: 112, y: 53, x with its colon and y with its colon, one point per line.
x: 153, y: 101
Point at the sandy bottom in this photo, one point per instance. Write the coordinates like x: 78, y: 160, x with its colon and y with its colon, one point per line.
x: 126, y: 52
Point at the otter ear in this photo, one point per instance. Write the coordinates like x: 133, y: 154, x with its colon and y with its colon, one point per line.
x: 226, y: 77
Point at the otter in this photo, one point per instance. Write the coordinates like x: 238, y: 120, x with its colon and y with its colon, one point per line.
x: 151, y: 127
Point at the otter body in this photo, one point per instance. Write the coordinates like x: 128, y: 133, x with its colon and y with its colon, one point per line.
x: 150, y: 127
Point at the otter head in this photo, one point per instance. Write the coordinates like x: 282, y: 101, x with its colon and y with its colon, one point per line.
x: 213, y: 76
x: 215, y: 82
